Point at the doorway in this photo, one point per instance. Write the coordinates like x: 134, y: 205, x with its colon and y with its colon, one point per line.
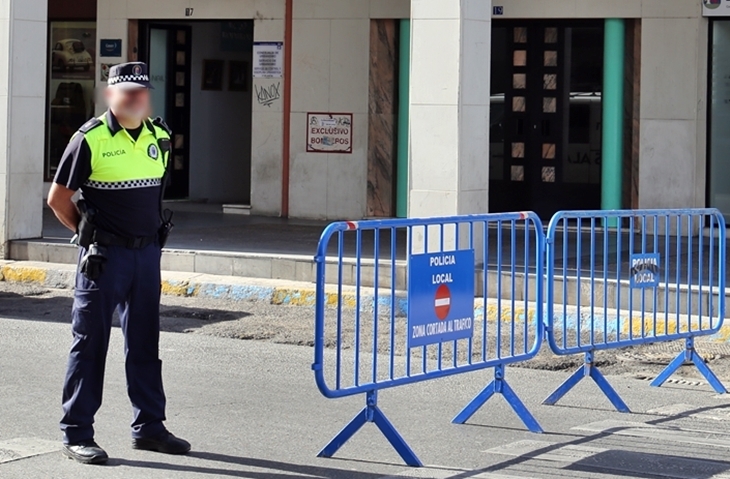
x: 168, y: 56
x: 201, y: 71
x: 545, y: 127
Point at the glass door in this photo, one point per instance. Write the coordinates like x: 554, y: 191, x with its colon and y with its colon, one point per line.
x: 545, y: 117
x: 169, y: 57
x: 719, y: 131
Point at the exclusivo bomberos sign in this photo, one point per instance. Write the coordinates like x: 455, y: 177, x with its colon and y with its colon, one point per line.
x: 329, y: 133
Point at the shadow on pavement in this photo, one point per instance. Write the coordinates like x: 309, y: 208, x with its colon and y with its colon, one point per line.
x: 39, y: 306
x: 272, y: 469
x: 621, y: 462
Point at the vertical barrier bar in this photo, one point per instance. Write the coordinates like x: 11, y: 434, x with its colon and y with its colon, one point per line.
x: 606, y: 251
x: 340, y: 253
x: 619, y: 260
x: 471, y: 246
x: 565, y: 282
x: 632, y: 234
x: 667, y: 228
x: 593, y: 281
x: 358, y: 284
x: 424, y: 352
x: 679, y: 273
x: 526, y: 291
x: 455, y: 344
x: 643, y: 293
x: 655, y: 304
x: 393, y: 297
x: 699, y: 274
x: 578, y: 280
x: 499, y: 289
x: 513, y: 261
x: 485, y: 291
x: 376, y: 288
x: 409, y: 253
x: 709, y: 274
x: 689, y: 271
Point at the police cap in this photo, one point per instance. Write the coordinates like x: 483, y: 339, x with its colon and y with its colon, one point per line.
x: 127, y: 76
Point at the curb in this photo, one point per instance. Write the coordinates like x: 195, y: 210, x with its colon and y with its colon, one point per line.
x: 225, y: 288
x: 288, y: 293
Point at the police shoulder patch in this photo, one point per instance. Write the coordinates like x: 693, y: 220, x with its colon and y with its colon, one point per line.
x: 153, y: 152
x: 90, y: 125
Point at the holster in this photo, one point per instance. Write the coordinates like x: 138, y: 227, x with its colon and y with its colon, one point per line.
x: 85, y: 234
x: 163, y: 234
x: 92, y: 264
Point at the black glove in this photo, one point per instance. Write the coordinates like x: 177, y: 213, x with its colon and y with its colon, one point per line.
x: 92, y: 265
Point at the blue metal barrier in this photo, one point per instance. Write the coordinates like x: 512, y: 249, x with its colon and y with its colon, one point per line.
x: 660, y: 277
x: 372, y: 347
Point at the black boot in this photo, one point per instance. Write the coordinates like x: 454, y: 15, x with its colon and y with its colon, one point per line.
x: 165, y: 443
x: 85, y: 452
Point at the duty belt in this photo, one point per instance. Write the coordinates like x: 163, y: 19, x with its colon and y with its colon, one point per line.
x: 108, y: 239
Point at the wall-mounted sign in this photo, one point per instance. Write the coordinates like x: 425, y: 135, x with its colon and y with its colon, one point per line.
x: 329, y: 133
x: 111, y: 48
x: 268, y: 61
x: 236, y: 36
x: 716, y: 8
x: 497, y: 10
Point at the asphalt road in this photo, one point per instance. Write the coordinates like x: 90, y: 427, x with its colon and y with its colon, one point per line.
x: 251, y: 410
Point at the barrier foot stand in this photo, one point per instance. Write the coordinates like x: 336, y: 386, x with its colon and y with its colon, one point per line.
x: 499, y: 386
x: 686, y: 356
x: 588, y: 370
x: 372, y: 413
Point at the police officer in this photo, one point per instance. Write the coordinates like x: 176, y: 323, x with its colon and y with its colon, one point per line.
x: 119, y: 162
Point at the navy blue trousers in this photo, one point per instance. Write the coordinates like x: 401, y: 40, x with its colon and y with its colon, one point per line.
x: 130, y: 283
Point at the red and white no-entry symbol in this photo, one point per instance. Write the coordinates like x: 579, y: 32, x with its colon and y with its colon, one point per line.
x: 442, y: 302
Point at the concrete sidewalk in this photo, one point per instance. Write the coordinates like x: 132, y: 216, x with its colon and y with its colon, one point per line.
x: 252, y: 410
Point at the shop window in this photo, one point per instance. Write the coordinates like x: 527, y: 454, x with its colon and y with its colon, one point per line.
x: 71, y: 79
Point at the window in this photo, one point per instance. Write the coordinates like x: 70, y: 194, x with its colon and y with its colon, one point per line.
x: 71, y: 78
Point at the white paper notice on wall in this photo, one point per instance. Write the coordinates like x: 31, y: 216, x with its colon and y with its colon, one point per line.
x: 268, y: 59
x: 329, y: 133
x: 716, y: 8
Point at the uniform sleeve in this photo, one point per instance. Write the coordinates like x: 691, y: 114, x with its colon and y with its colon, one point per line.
x: 75, y: 166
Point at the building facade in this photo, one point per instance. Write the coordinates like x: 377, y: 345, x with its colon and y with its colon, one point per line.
x: 332, y: 109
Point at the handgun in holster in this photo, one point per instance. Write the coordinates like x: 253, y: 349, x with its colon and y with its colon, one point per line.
x: 164, y: 232
x: 93, y: 262
x: 86, y: 228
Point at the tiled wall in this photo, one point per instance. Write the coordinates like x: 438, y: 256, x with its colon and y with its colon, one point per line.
x: 382, y: 117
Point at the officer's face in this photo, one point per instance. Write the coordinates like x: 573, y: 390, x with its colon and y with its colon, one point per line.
x: 131, y: 104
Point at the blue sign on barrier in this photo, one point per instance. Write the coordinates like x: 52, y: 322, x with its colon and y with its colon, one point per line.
x: 645, y: 270
x: 440, y: 297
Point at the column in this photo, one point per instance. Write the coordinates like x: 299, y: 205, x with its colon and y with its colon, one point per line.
x: 404, y: 104
x: 449, y: 113
x: 23, y: 58
x: 613, y: 115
